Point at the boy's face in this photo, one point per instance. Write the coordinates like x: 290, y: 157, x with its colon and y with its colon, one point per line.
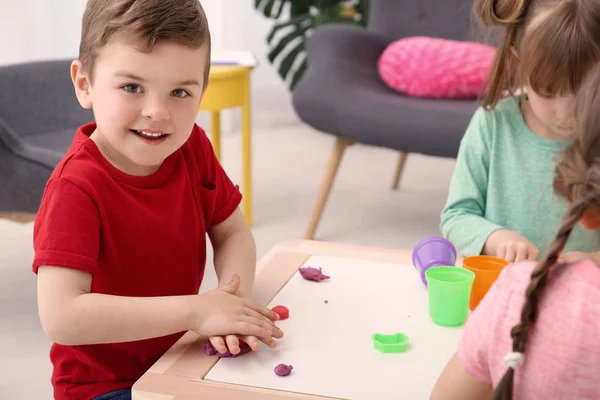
x: 145, y: 104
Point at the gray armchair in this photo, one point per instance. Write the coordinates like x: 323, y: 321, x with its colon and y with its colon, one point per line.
x: 39, y: 115
x: 341, y: 93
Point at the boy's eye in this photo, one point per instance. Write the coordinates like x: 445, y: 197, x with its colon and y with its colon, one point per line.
x: 180, y: 93
x: 132, y: 88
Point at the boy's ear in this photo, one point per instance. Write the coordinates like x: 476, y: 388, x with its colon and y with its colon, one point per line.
x: 81, y: 84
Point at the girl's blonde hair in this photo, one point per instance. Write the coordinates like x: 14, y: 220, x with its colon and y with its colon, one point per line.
x: 548, y: 45
x: 576, y: 179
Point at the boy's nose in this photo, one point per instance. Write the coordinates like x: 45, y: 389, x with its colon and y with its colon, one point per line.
x: 156, y: 111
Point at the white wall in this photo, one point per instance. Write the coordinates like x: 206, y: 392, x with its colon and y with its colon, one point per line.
x: 44, y: 29
x: 39, y: 29
x: 237, y: 25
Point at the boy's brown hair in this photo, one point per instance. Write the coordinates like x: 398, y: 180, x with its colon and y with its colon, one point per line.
x: 577, y: 180
x: 547, y: 45
x: 143, y: 23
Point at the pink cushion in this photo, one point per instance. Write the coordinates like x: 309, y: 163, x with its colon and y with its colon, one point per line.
x: 436, y: 68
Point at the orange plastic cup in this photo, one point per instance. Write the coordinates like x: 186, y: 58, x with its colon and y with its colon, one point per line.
x: 486, y: 270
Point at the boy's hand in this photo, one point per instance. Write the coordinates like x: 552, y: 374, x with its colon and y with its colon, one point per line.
x: 220, y: 312
x: 511, y: 246
x: 232, y: 342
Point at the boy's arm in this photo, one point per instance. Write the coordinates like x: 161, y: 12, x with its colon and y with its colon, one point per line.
x: 71, y: 315
x: 234, y: 252
x: 462, y: 220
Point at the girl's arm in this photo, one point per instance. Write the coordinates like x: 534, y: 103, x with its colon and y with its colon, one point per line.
x: 462, y: 220
x: 467, y: 374
x: 456, y: 384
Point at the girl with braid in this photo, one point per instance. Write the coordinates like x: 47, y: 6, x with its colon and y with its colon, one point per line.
x: 536, y: 333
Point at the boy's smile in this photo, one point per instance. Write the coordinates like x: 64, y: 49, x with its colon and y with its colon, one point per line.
x: 145, y: 103
x: 153, y: 137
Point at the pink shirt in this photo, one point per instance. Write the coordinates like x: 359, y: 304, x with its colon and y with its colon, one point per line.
x: 562, y: 356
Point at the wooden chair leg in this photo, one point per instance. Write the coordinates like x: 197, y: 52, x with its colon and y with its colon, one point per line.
x: 399, y: 170
x: 326, y: 185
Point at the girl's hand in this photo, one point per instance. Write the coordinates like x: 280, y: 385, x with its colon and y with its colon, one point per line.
x: 511, y: 246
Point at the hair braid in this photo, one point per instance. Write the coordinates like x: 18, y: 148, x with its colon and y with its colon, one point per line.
x: 539, y: 277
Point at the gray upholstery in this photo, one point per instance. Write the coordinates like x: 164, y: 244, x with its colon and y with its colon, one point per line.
x: 393, y: 19
x: 342, y: 94
x: 39, y: 115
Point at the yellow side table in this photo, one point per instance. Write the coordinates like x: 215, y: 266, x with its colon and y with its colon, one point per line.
x: 229, y: 86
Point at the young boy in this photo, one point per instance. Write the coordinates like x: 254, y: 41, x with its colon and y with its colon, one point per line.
x: 120, y: 236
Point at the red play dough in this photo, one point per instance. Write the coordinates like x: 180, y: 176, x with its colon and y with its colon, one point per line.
x: 282, y: 311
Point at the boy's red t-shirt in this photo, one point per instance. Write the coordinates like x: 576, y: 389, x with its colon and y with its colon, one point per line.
x: 137, y: 236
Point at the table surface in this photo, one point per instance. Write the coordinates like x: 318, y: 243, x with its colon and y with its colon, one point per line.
x: 180, y: 373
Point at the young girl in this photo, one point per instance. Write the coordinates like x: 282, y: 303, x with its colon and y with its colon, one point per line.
x: 500, y: 201
x: 552, y: 350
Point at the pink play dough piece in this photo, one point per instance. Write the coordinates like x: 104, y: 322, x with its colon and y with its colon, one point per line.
x: 210, y: 350
x: 313, y: 274
x: 283, y: 370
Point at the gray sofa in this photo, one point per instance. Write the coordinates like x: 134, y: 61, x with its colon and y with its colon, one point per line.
x: 39, y: 115
x: 341, y: 93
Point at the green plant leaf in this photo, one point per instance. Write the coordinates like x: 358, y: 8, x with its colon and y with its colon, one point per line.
x: 300, y: 21
x: 277, y: 13
x: 287, y: 39
x: 300, y: 7
x: 269, y: 8
x: 298, y: 74
x: 296, y: 20
x: 288, y: 60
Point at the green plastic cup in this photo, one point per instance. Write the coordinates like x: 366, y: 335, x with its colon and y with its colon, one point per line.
x: 449, y: 292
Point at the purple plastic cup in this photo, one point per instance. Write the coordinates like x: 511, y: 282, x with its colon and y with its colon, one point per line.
x: 433, y: 252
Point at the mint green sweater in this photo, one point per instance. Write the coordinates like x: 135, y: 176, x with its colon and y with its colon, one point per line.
x: 503, y: 179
